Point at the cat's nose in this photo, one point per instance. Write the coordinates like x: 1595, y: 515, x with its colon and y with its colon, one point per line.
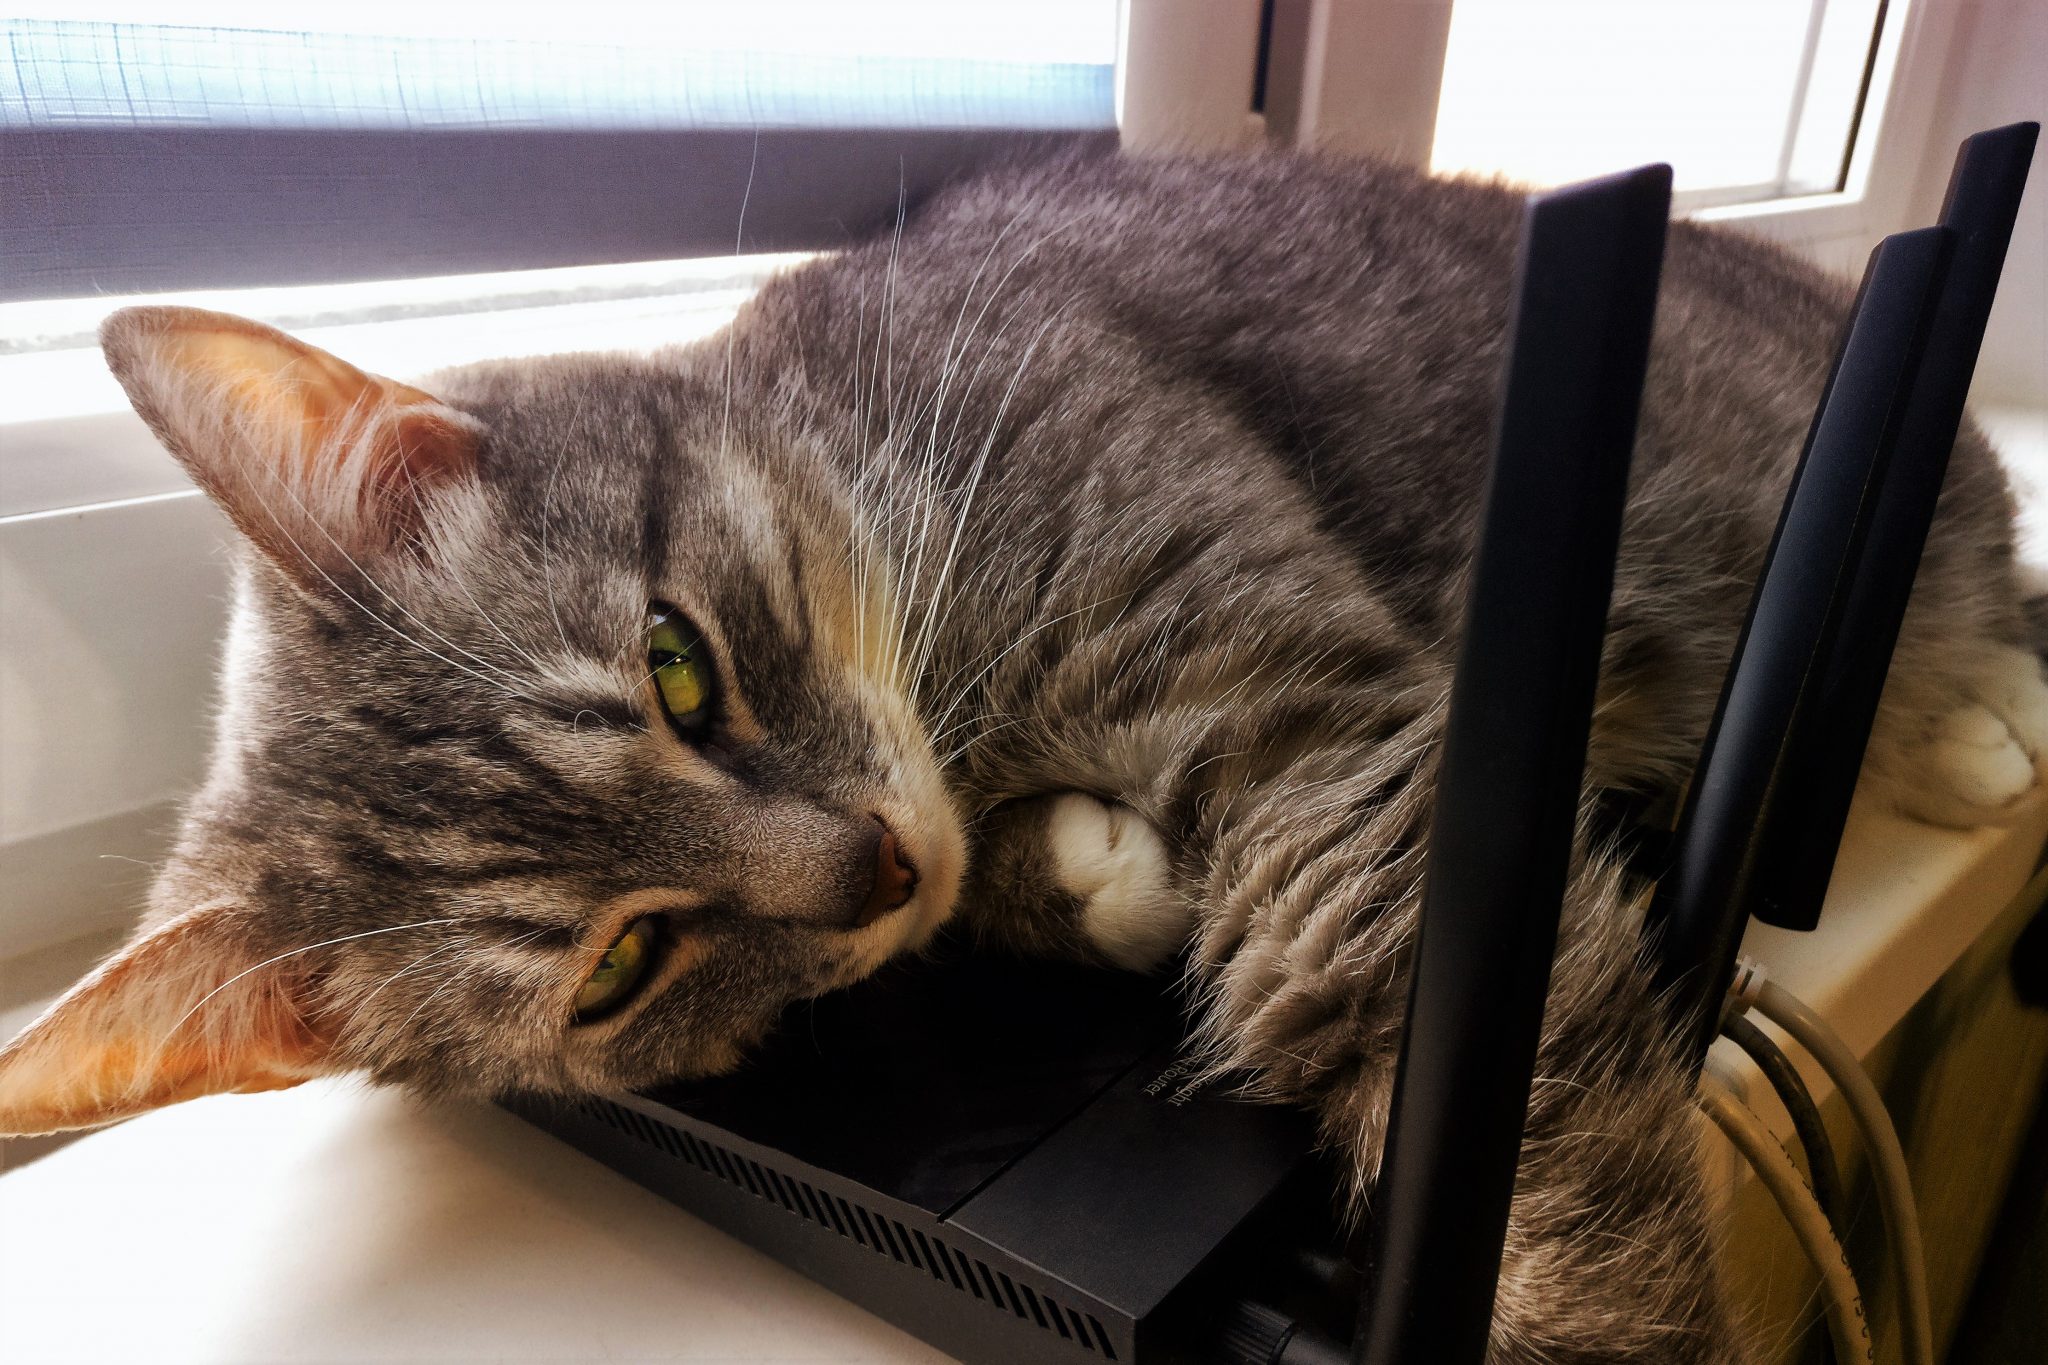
x: 895, y: 877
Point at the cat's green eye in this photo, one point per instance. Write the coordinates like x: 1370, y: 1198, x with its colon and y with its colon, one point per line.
x: 681, y: 667
x: 618, y: 973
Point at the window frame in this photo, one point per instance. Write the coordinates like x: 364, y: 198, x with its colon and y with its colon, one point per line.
x: 1365, y: 76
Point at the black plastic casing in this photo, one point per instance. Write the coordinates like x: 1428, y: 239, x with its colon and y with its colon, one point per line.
x: 1000, y: 1158
x: 1795, y: 852
x: 1748, y: 778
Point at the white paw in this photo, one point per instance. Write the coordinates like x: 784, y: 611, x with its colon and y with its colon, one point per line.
x: 1978, y: 763
x: 1110, y: 859
x: 2014, y: 690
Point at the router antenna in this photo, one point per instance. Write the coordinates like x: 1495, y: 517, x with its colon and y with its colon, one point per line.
x: 1514, y: 755
x: 1770, y: 701
x: 1763, y: 821
x: 1795, y: 852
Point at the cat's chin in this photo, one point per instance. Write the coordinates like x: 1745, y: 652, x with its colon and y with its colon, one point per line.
x: 904, y: 930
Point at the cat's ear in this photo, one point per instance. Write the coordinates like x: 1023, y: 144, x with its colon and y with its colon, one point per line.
x: 182, y: 1011
x: 321, y: 465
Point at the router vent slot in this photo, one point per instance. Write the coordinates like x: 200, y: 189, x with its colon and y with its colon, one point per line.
x: 880, y: 1234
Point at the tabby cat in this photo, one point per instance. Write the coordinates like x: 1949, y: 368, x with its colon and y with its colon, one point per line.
x: 1079, y: 562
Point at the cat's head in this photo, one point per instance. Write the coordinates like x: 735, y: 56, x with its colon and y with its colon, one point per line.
x: 562, y: 740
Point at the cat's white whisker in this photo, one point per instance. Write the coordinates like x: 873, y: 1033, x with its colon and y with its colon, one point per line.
x: 460, y: 578
x: 547, y: 574
x: 889, y: 309
x: 363, y: 607
x: 1030, y: 250
x: 739, y: 238
x: 967, y: 497
x: 422, y: 959
x: 359, y: 420
x: 965, y: 691
x: 926, y: 469
x: 179, y: 1022
x: 949, y: 359
x: 420, y: 1008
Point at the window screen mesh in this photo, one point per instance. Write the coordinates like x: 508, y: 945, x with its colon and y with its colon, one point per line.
x: 73, y: 74
x: 143, y: 156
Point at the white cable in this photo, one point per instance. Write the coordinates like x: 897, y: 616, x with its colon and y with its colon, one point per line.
x: 1802, y: 1212
x: 1888, y: 1159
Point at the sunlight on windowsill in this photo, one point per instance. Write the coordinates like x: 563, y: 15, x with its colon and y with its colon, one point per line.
x: 50, y: 366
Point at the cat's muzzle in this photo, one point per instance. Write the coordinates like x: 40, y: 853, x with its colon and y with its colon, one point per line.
x: 895, y: 877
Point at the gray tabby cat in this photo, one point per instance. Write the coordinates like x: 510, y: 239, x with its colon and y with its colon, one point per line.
x: 1081, y: 562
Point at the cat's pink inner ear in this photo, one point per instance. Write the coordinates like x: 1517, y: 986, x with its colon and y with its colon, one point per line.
x: 181, y: 1012
x: 315, y: 460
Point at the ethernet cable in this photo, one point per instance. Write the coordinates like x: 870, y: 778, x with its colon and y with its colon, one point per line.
x: 1846, y: 1324
x: 1752, y: 989
x: 1823, y: 1172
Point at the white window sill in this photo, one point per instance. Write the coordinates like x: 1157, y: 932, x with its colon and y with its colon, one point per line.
x: 70, y: 440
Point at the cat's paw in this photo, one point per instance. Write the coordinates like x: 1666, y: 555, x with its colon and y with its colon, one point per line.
x: 1111, y: 860
x: 2014, y: 689
x: 1980, y: 761
x: 1975, y: 770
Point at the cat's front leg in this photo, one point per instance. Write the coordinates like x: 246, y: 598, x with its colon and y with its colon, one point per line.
x: 1071, y: 874
x: 1609, y: 1254
x: 1305, y: 938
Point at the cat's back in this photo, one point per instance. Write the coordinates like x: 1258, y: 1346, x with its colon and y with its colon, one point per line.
x: 1351, y: 315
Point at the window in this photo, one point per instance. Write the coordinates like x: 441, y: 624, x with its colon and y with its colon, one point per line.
x: 599, y: 64
x: 1747, y: 99
x: 201, y: 145
x: 1808, y: 119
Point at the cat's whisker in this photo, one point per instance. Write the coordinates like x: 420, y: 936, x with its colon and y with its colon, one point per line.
x: 1023, y: 637
x: 949, y: 359
x: 957, y: 754
x: 425, y: 957
x: 929, y: 465
x: 179, y: 1022
x: 454, y: 978
x: 930, y: 492
x: 359, y: 417
x: 124, y: 858
x: 360, y: 605
x: 460, y: 578
x: 863, y: 448
x: 996, y: 292
x: 940, y: 736
x: 420, y: 1008
x: 739, y: 238
x: 889, y: 308
x: 860, y: 607
x: 973, y: 487
x: 547, y: 575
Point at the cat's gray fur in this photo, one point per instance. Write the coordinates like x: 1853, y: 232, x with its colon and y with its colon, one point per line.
x: 1172, y: 469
